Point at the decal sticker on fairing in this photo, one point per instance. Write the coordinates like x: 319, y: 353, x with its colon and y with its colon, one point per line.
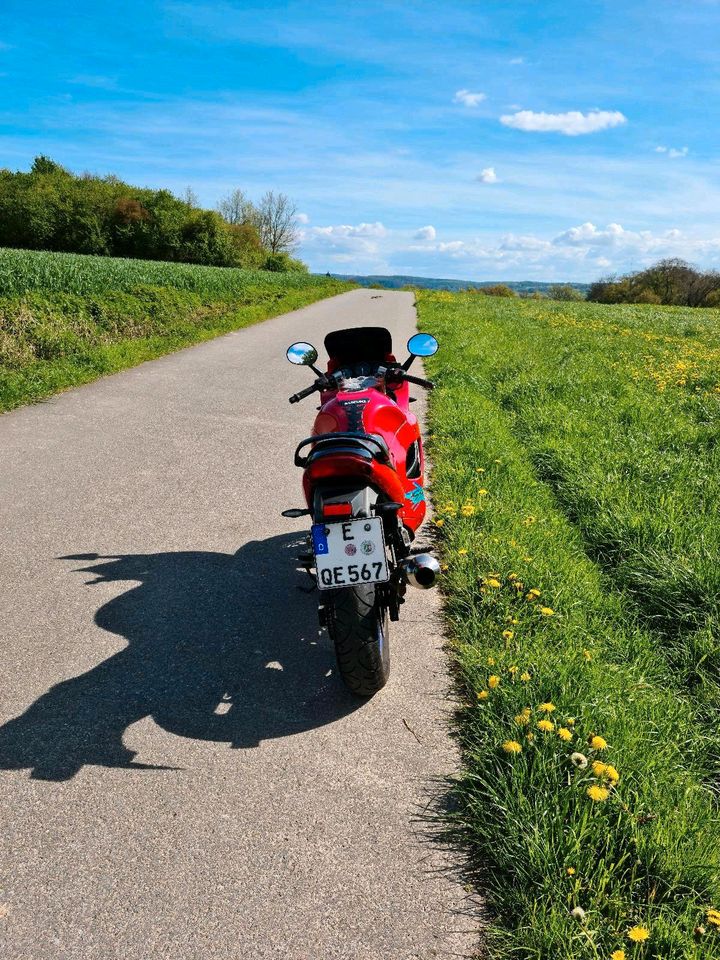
x: 416, y: 495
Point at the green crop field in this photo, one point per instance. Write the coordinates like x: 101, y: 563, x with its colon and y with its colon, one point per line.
x: 66, y: 319
x: 22, y: 271
x: 577, y: 481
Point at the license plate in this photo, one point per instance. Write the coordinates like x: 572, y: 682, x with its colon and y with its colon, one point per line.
x: 349, y: 553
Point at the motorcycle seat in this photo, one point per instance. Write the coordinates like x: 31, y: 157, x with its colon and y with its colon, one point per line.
x: 368, y: 446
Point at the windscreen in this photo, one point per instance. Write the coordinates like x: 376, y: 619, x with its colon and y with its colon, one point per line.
x: 358, y: 344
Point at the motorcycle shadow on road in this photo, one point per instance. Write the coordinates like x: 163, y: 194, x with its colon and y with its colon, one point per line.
x: 220, y: 647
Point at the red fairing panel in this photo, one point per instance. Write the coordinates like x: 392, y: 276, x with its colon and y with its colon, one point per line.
x: 372, y: 411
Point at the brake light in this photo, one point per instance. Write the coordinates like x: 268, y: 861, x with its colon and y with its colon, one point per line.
x: 337, y: 509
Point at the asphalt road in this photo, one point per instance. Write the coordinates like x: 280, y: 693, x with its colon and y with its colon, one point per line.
x: 182, y: 774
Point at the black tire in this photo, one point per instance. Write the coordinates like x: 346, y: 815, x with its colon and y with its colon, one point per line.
x: 359, y: 626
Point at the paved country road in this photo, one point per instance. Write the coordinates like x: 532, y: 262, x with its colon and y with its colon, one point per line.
x: 182, y: 774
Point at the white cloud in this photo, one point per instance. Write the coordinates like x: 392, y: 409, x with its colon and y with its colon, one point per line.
x: 516, y: 60
x: 588, y: 233
x: 468, y: 99
x: 355, y: 246
x: 302, y: 218
x: 582, y: 252
x: 425, y: 233
x: 511, y: 241
x: 571, y: 124
x: 673, y: 152
x: 487, y: 175
x: 346, y: 230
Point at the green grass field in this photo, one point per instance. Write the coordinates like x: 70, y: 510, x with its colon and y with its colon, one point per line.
x: 577, y: 486
x: 67, y: 319
x: 23, y: 271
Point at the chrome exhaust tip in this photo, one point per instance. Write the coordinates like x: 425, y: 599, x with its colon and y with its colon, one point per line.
x: 421, y: 570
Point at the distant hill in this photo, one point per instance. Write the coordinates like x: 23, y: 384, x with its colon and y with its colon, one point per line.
x: 432, y: 283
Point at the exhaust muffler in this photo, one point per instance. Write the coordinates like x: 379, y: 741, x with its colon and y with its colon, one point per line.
x: 421, y: 570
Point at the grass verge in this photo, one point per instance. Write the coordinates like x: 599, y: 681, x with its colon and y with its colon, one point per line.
x: 581, y: 555
x: 51, y: 341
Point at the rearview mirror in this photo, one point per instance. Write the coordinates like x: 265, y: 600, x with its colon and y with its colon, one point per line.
x: 422, y: 345
x: 302, y: 354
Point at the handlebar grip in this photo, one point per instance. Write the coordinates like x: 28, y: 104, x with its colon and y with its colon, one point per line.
x: 428, y: 384
x: 297, y: 397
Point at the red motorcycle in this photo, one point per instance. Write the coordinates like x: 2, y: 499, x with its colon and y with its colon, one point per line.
x: 363, y: 483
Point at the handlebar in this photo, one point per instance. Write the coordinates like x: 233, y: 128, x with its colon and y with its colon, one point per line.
x: 329, y: 382
x: 428, y: 384
x: 297, y: 397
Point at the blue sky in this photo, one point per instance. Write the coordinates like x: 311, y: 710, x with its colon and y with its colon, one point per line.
x: 512, y: 140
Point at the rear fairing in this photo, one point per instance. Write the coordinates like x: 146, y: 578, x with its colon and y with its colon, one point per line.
x: 371, y: 411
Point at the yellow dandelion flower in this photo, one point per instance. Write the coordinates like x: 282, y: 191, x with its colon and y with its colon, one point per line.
x: 513, y: 670
x: 522, y: 719
x: 547, y: 611
x: 617, y: 955
x: 530, y: 736
x: 587, y: 656
x: 462, y: 552
x: 511, y: 619
x: 612, y: 774
x: 492, y: 582
x: 493, y: 681
x: 482, y: 492
x: 638, y: 934
x: 598, y: 743
x: 483, y: 695
x: 518, y: 585
x: 512, y: 576
x: 597, y: 793
x: 508, y: 634
x: 479, y: 469
x: 534, y: 592
x: 570, y: 721
x: 468, y: 510
x: 546, y: 707
x: 491, y: 661
x: 511, y: 746
x: 439, y: 522
x: 599, y: 768
x: 565, y: 734
x: 713, y: 917
x: 525, y: 676
x: 571, y: 871
x: 547, y: 726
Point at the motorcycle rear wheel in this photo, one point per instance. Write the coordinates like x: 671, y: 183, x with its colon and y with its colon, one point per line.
x: 358, y: 623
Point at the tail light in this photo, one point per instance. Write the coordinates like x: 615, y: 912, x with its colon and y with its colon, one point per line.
x: 337, y: 510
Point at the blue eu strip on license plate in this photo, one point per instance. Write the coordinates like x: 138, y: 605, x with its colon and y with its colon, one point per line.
x: 320, y: 543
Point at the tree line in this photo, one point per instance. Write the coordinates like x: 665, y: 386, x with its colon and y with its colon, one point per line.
x: 50, y: 208
x: 671, y: 282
